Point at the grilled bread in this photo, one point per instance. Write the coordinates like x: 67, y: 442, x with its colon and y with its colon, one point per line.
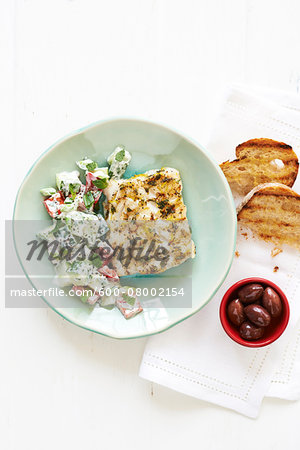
x: 261, y: 161
x: 272, y: 212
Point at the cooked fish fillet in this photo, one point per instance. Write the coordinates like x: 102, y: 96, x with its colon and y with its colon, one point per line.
x: 147, y: 211
x: 156, y: 194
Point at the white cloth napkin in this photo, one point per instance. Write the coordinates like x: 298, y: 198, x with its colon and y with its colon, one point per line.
x: 196, y: 357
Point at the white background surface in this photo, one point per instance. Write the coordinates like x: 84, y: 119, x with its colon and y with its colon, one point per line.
x: 65, y: 64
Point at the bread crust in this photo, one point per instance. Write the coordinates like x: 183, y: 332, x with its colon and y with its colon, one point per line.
x: 263, y: 142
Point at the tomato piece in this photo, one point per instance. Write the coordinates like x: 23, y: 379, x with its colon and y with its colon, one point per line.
x: 79, y: 291
x: 52, y: 204
x: 108, y: 273
x: 88, y: 184
x: 129, y: 310
x: 97, y: 196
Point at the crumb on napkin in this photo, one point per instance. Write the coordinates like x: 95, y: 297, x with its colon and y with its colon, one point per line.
x: 276, y: 251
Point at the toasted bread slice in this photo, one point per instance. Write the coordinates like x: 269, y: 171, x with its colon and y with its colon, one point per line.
x: 272, y: 212
x: 261, y: 161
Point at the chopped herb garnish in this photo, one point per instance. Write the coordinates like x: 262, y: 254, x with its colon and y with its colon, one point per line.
x: 91, y: 166
x: 88, y: 199
x: 58, y: 225
x: 120, y: 155
x: 73, y: 188
x: 130, y: 300
x: 47, y: 192
x: 84, y: 298
x: 100, y: 183
x: 96, y: 260
x: 74, y: 266
x: 63, y: 253
x: 162, y: 203
x: 68, y: 200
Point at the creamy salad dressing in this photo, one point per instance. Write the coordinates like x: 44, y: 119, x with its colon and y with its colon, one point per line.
x: 68, y: 182
x: 76, y: 239
x: 118, y: 162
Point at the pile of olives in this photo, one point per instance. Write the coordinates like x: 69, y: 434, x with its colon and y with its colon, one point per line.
x: 254, y: 310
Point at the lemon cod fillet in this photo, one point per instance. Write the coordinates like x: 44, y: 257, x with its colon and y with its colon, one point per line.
x: 144, y: 210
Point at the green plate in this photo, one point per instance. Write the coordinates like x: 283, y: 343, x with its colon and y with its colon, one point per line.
x: 210, y: 209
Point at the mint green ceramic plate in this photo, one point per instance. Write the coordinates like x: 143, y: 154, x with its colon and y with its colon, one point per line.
x: 211, y: 214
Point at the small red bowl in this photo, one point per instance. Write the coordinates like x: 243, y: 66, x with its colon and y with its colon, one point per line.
x: 272, y: 332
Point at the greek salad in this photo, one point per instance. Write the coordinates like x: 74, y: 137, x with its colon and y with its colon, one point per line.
x: 76, y: 240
